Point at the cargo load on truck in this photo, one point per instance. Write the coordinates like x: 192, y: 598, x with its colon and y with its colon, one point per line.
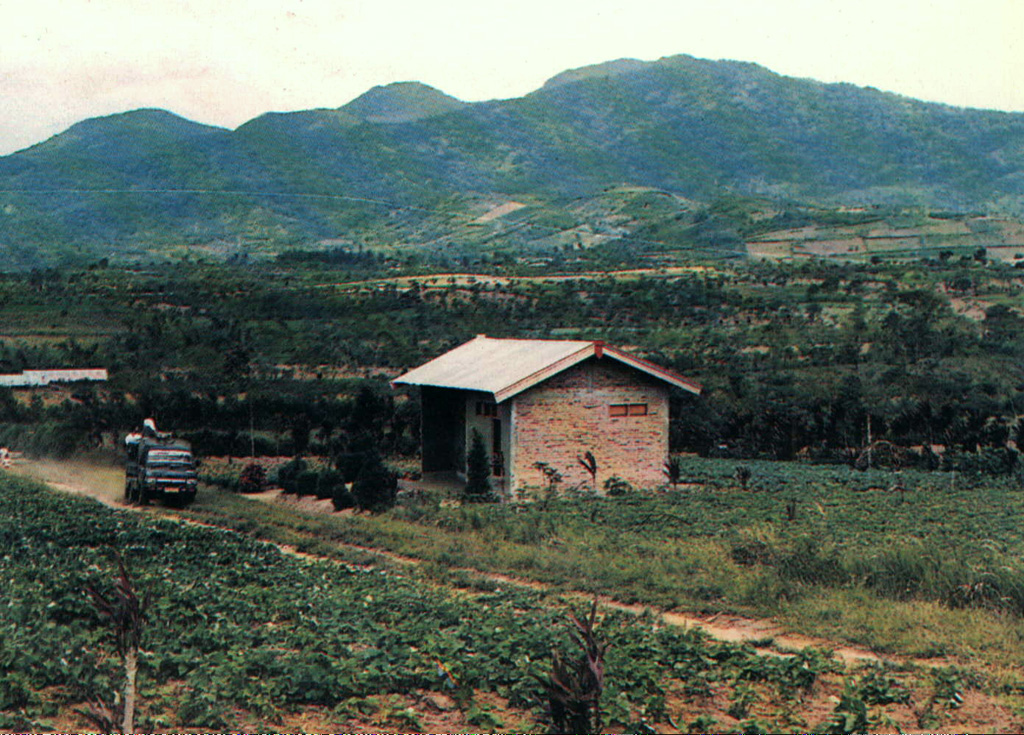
x: 158, y: 466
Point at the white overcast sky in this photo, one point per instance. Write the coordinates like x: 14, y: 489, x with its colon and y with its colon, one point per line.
x: 225, y: 61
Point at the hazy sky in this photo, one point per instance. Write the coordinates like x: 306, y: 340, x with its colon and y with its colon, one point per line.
x: 226, y: 61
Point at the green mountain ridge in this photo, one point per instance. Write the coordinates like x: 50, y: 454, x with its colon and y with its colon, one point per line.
x: 148, y: 180
x: 402, y: 102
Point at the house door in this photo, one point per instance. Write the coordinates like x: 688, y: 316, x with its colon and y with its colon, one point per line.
x: 497, y: 459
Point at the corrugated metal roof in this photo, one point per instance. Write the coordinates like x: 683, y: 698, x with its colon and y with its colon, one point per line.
x: 505, y: 367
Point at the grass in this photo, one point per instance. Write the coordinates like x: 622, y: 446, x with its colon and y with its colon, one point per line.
x: 856, y: 565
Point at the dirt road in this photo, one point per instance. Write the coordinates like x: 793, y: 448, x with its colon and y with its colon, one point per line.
x: 105, y: 483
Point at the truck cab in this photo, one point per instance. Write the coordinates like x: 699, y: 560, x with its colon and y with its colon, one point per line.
x: 159, y: 467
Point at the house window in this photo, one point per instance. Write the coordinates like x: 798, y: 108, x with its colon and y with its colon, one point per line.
x: 483, y: 408
x: 627, y: 409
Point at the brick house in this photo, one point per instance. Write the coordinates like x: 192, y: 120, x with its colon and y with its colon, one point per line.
x: 549, y: 401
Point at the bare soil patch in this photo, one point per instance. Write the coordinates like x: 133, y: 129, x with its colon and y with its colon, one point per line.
x: 104, y: 483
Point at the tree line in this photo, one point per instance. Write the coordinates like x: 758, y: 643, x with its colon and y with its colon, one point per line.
x: 811, y: 360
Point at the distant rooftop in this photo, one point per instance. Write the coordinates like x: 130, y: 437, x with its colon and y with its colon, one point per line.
x: 36, y: 378
x: 506, y: 367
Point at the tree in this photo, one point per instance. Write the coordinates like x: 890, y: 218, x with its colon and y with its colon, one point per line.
x: 376, y: 487
x: 369, y: 413
x: 300, y: 429
x: 478, y: 472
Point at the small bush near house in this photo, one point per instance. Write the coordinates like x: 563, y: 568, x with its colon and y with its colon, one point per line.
x: 306, y: 482
x: 376, y: 487
x: 349, y: 464
x: 342, y: 498
x: 288, y: 475
x: 616, y: 487
x: 478, y: 472
x: 327, y: 484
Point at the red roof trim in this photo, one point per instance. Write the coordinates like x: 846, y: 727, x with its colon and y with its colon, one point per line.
x: 655, y: 370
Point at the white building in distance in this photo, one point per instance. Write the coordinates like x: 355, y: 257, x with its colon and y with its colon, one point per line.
x: 40, y: 378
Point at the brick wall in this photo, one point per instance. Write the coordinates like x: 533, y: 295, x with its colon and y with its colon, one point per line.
x: 560, y: 419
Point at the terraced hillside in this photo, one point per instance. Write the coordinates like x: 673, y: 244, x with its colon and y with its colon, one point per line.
x: 403, y: 163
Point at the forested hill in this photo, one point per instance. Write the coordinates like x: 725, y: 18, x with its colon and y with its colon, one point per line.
x: 691, y: 127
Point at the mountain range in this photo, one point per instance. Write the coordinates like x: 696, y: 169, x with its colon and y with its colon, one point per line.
x: 404, y: 161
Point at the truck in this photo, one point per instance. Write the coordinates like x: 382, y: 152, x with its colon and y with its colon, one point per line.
x: 159, y: 466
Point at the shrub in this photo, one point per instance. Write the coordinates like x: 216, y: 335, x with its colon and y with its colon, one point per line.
x: 252, y: 478
x: 306, y: 482
x: 288, y: 474
x: 574, y: 686
x: 376, y: 487
x: 349, y: 464
x: 673, y: 470
x: 901, y: 572
x: 616, y: 487
x: 328, y: 483
x: 985, y: 461
x: 478, y: 472
x: 750, y: 551
x: 589, y: 462
x: 342, y: 498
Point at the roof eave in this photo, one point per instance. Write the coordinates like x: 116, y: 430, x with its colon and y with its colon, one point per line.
x: 462, y: 388
x: 653, y: 370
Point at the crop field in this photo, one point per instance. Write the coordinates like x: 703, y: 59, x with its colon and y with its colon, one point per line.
x: 913, y: 565
x: 867, y: 557
x: 240, y: 635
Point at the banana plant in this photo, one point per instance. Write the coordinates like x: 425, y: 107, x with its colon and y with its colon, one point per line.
x: 673, y: 470
x: 126, y: 614
x: 589, y: 463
